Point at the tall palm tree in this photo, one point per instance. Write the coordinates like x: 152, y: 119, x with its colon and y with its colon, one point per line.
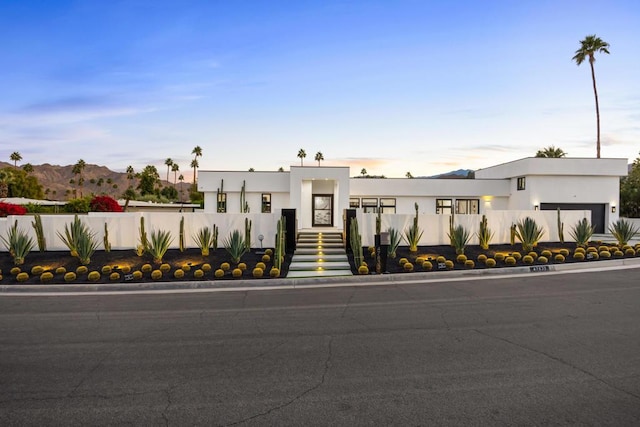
x: 551, y: 152
x: 15, y: 158
x: 363, y: 172
x: 195, y: 166
x: 175, y: 168
x: 168, y: 162
x: 197, y: 152
x: 78, y: 169
x: 181, y: 179
x: 302, y: 154
x: 588, y: 48
x: 319, y: 157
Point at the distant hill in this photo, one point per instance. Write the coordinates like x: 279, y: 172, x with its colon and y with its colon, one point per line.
x: 457, y: 174
x: 97, y: 180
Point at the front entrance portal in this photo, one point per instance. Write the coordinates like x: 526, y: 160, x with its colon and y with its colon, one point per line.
x: 322, y: 210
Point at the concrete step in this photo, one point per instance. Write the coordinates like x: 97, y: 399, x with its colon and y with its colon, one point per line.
x: 314, y: 257
x: 316, y: 244
x: 316, y: 251
x: 311, y: 265
x: 318, y: 273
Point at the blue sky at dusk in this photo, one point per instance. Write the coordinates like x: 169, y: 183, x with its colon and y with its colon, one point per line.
x: 391, y: 86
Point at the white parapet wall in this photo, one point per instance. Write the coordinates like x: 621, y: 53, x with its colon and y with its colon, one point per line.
x: 124, y: 227
x: 436, y: 227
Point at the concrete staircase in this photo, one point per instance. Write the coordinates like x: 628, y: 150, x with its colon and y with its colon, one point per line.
x: 319, y: 254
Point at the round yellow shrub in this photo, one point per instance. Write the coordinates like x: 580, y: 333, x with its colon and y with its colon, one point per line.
x: 268, y: 252
x: 206, y: 267
x: 274, y: 272
x: 490, y: 262
x: 592, y: 249
x: 61, y: 270
x: 165, y: 268
x: 69, y: 277
x: 559, y: 258
x: 516, y: 255
x: 114, y: 277
x: 564, y: 252
x: 46, y: 277
x: 257, y: 272
x: 625, y: 247
x: 137, y: 275
x: 580, y: 250
x: 449, y: 264
x: 242, y: 266
x: 219, y: 273
x: 186, y: 268
x: 106, y: 269
x: 594, y: 256
x: 527, y: 259
x: 266, y: 258
x: 236, y: 273
x: 427, y: 265
x: 543, y: 259
x: 198, y: 274
x: 156, y: 274
x: 146, y: 268
x: 618, y: 254
x: 407, y: 266
x: 482, y: 258
x: 15, y: 271
x: 37, y: 270
x: 419, y: 260
x: 499, y: 256
x: 440, y: 259
x: 225, y: 266
x: 371, y: 249
x: 94, y: 276
x: 510, y: 260
x: 402, y: 261
x: 469, y: 263
x: 630, y: 252
x: 125, y: 269
x: 178, y: 274
x: 533, y: 254
x: 605, y: 254
x: 546, y: 253
x: 603, y: 248
x: 363, y: 269
x: 261, y: 265
x: 82, y: 270
x: 578, y: 256
x: 461, y: 259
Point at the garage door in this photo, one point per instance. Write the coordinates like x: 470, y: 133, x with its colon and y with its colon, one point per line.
x: 597, y: 211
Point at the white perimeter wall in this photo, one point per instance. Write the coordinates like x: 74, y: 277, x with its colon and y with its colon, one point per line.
x: 124, y: 227
x: 436, y: 227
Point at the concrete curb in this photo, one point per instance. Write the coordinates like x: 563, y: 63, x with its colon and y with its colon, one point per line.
x: 315, y: 282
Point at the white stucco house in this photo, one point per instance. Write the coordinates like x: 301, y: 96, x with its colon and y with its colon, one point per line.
x: 320, y: 194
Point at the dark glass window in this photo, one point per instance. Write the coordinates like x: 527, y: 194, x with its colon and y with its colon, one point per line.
x: 222, y: 202
x: 266, y: 202
x: 443, y: 206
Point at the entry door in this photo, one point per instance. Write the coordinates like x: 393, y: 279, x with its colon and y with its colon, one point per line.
x: 322, y: 210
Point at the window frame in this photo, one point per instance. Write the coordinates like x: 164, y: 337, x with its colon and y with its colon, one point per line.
x: 469, y: 205
x: 521, y: 183
x: 369, y: 204
x: 221, y: 203
x: 388, y: 205
x: 354, y: 202
x: 441, y: 208
x: 265, y: 206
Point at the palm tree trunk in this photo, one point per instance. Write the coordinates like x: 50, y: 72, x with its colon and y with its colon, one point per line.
x: 595, y: 92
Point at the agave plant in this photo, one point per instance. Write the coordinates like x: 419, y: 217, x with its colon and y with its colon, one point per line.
x: 413, y: 234
x: 204, y: 239
x: 159, y: 244
x: 582, y: 233
x: 529, y: 233
x: 623, y: 231
x: 86, y: 245
x: 72, y: 233
x: 394, y: 242
x: 235, y: 246
x: 18, y: 243
x: 459, y: 237
x: 484, y: 234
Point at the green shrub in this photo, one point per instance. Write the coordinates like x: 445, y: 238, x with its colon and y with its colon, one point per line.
x: 159, y: 244
x: 490, y: 262
x: 413, y: 233
x: 484, y: 234
x: 93, y: 276
x: 582, y: 232
x: 529, y: 233
x: 623, y: 231
x: 204, y: 239
x: 394, y: 241
x: 459, y: 237
x: 235, y: 245
x: 18, y: 243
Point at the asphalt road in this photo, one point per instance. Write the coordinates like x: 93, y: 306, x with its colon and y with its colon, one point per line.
x: 540, y: 349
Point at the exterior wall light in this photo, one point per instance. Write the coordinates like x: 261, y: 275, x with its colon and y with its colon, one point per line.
x: 535, y: 207
x: 613, y: 209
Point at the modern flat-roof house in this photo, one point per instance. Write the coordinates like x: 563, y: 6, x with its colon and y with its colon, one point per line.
x: 320, y: 194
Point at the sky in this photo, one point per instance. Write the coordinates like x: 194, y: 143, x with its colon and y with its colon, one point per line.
x: 396, y: 86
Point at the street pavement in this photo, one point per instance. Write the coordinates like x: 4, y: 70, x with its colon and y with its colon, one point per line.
x: 540, y: 349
